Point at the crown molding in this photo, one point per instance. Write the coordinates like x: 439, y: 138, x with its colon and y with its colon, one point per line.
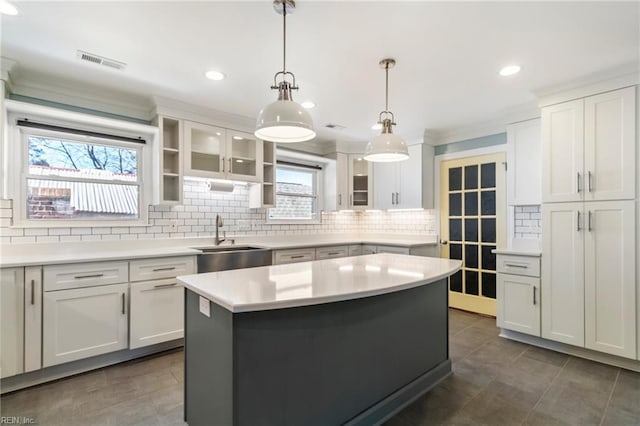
x: 591, y: 84
x: 174, y: 108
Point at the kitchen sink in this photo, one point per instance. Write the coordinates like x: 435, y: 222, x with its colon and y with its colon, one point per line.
x: 222, y: 258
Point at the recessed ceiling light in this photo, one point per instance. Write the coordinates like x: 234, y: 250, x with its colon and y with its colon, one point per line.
x: 214, y: 75
x: 308, y: 104
x: 510, y: 70
x: 376, y: 126
x: 7, y: 8
x: 238, y: 138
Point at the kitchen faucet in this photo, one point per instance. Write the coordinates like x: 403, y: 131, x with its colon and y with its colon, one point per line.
x: 219, y: 224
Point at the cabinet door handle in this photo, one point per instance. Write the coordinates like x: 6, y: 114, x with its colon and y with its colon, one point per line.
x: 397, y: 198
x: 578, y: 182
x: 516, y: 265
x: 350, y: 199
x: 33, y: 292
x: 230, y: 165
x: 79, y: 277
x: 339, y: 199
x: 534, y: 294
x: 393, y: 198
x: 123, y: 303
x: 222, y: 163
x: 164, y: 269
x: 589, y: 221
x: 579, y: 229
x: 589, y: 181
x: 165, y: 285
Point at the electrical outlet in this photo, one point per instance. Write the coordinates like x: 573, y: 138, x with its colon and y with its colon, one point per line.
x: 173, y: 226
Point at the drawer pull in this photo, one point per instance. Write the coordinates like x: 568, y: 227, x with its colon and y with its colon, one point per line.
x: 123, y: 303
x: 165, y: 285
x: 516, y: 265
x: 79, y: 277
x: 333, y: 253
x: 297, y: 256
x: 164, y: 269
x: 33, y: 292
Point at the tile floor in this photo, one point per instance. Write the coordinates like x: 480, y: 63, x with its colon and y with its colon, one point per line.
x: 495, y: 382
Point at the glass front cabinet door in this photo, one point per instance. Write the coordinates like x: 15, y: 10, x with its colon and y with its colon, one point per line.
x: 205, y: 150
x: 244, y: 156
x: 360, y: 183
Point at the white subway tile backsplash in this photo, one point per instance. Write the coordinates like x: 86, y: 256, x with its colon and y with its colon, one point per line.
x: 527, y: 222
x: 60, y: 231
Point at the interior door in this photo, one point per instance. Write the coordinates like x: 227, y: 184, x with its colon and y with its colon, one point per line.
x: 472, y: 224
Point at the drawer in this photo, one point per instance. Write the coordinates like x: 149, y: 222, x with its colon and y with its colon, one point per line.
x: 161, y: 267
x: 393, y: 249
x: 518, y: 265
x: 78, y: 275
x: 332, y: 252
x: 291, y: 256
x: 369, y: 249
x: 355, y: 250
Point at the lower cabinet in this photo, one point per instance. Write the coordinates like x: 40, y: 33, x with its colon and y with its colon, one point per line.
x: 518, y: 293
x: 293, y: 256
x: 332, y: 252
x: 84, y: 322
x: 20, y: 320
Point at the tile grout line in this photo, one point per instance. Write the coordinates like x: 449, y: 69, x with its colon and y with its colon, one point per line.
x: 613, y: 388
x: 546, y: 390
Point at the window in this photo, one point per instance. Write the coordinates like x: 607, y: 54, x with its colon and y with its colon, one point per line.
x: 68, y: 179
x: 296, y: 195
x: 64, y: 168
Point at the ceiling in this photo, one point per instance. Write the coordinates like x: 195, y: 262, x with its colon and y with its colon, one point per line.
x: 448, y: 54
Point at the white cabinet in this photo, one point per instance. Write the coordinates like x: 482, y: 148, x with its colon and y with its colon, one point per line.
x: 588, y: 275
x: 20, y: 320
x: 588, y: 148
x: 518, y: 293
x: 610, y: 257
x: 12, y: 325
x: 83, y: 322
x: 170, y: 159
x: 405, y: 185
x: 393, y: 249
x: 360, y: 172
x: 157, y: 300
x: 355, y: 250
x: 294, y: 255
x: 214, y: 152
x: 524, y: 163
x: 331, y: 252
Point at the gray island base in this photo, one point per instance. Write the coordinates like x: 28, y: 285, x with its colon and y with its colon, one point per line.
x: 354, y: 362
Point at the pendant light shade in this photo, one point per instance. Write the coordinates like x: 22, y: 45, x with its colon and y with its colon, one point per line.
x: 284, y: 120
x: 386, y: 147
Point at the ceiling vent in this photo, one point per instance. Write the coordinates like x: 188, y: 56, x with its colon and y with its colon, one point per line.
x: 334, y: 126
x: 100, y: 60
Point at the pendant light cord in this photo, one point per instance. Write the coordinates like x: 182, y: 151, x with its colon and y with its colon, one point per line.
x: 386, y: 93
x: 284, y: 37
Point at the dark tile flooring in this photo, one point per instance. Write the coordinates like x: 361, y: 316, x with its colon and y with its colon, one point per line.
x: 495, y: 382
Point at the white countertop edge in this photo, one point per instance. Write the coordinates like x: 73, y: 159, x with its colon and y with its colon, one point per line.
x: 296, y: 303
x: 518, y: 252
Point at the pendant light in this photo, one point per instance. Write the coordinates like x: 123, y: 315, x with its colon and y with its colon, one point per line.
x: 386, y: 147
x: 284, y: 120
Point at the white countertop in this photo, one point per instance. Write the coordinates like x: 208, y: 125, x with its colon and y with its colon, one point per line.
x: 320, y: 281
x: 518, y: 252
x: 55, y: 253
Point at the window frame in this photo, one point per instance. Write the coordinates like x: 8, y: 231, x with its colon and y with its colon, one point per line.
x: 318, y: 195
x: 16, y: 167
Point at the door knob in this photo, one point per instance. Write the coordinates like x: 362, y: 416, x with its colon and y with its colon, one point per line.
x: 444, y: 242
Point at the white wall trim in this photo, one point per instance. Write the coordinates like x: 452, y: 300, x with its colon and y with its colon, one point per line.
x: 438, y: 159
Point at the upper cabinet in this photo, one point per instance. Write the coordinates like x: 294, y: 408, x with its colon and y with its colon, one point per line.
x: 524, y: 163
x: 171, y: 149
x: 406, y: 184
x: 214, y: 152
x: 360, y: 173
x: 588, y: 148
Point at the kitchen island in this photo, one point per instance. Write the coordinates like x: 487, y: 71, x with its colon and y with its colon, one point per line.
x: 339, y: 341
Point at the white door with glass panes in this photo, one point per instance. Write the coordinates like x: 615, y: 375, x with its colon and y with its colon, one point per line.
x: 472, y: 212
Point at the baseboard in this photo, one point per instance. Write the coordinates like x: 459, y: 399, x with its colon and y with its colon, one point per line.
x: 21, y: 381
x: 616, y: 361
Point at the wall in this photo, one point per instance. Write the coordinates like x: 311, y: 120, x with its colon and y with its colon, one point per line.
x: 197, y: 215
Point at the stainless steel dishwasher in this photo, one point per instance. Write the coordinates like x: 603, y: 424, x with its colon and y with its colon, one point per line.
x: 222, y: 258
